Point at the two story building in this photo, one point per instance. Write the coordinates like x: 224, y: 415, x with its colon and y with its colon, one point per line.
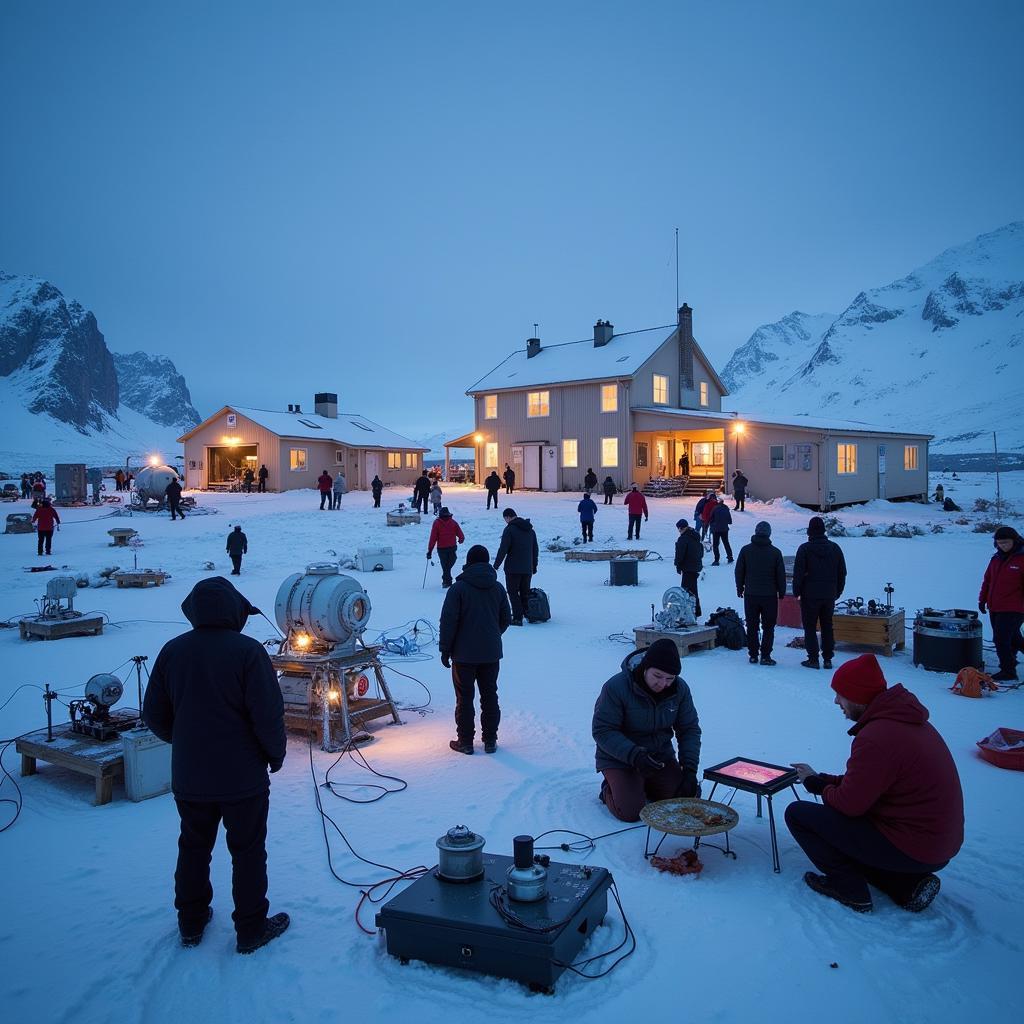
x: 642, y: 404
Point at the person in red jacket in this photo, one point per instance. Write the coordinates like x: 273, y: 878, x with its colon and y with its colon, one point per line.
x: 1002, y: 596
x: 447, y: 535
x: 636, y: 505
x: 325, y: 484
x: 897, y: 815
x: 45, y: 517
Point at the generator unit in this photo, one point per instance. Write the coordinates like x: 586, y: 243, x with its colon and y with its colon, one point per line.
x: 91, y: 716
x: 948, y: 640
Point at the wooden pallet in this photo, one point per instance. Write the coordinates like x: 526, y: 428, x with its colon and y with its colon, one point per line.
x: 101, y: 760
x: 687, y: 641
x: 140, y: 577
x: 55, y: 629
x: 887, y: 632
x: 402, y: 518
x: 587, y: 555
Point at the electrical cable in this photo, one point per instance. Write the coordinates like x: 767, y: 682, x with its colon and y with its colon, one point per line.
x: 584, y: 844
x: 18, y: 801
x: 421, y: 708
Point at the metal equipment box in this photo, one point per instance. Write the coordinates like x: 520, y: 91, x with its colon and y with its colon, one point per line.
x: 147, y: 765
x: 70, y: 483
x: 375, y: 559
x: 948, y: 640
x: 622, y: 572
x: 455, y: 925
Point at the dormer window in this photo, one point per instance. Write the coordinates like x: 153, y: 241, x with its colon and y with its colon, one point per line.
x: 660, y: 389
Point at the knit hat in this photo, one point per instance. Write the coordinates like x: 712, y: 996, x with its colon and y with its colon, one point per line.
x: 680, y: 523
x: 586, y: 494
x: 477, y: 553
x: 444, y: 513
x: 662, y: 655
x: 860, y: 680
x: 816, y: 527
x: 1007, y: 533
x: 763, y: 529
x: 509, y: 513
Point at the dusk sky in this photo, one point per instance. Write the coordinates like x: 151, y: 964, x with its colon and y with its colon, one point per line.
x: 381, y: 199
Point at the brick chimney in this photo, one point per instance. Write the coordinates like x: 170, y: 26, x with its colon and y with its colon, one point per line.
x: 532, y: 347
x: 325, y: 403
x: 603, y: 331
x: 685, y: 334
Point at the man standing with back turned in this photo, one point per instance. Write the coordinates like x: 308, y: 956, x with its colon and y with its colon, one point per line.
x: 520, y: 552
x: 819, y: 575
x: 214, y: 697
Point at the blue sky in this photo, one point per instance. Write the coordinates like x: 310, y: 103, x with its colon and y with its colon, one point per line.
x: 382, y: 199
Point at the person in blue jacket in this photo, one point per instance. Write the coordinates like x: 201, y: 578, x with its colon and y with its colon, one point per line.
x: 587, y: 509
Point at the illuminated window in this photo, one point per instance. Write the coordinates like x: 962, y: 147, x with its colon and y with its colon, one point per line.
x: 491, y: 454
x: 570, y: 453
x: 394, y: 460
x: 707, y: 453
x: 609, y: 398
x: 490, y: 407
x: 704, y: 392
x: 777, y: 456
x: 410, y: 460
x: 846, y: 458
x: 537, y: 403
x: 660, y: 389
x: 641, y: 454
x: 609, y: 451
x: 910, y: 456
x: 339, y: 457
x: 297, y: 460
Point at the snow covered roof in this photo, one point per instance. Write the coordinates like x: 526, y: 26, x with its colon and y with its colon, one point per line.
x: 806, y: 422
x: 575, y: 360
x: 349, y: 428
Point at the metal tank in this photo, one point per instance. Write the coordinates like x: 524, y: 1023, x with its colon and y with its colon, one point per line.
x: 151, y: 483
x: 321, y: 608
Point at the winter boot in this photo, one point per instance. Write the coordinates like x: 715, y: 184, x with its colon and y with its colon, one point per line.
x: 1005, y: 677
x: 490, y: 746
x: 924, y: 892
x: 767, y: 659
x: 460, y: 748
x: 753, y: 659
x: 275, y: 926
x: 827, y: 663
x: 192, y: 938
x: 810, y: 663
x: 819, y: 883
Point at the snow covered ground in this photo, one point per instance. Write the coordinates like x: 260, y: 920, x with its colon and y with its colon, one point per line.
x: 88, y: 933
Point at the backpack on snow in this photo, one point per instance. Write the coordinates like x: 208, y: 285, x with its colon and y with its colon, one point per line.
x: 537, y: 607
x: 731, y: 633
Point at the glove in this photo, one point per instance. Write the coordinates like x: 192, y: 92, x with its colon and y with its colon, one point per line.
x: 646, y: 763
x: 446, y: 659
x: 739, y: 591
x: 982, y: 607
x: 815, y: 784
x: 429, y: 555
x: 276, y: 767
x: 689, y: 786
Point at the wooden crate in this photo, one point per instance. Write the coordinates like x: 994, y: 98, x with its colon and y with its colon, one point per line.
x: 887, y: 632
x: 55, y: 629
x: 687, y: 641
x: 589, y: 555
x: 101, y: 760
x: 140, y: 578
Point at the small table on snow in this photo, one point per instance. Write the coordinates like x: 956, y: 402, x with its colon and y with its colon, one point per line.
x: 688, y: 816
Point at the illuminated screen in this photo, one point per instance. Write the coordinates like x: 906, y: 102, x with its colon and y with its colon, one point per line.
x: 749, y: 772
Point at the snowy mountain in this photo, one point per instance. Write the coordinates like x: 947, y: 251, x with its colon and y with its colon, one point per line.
x: 66, y: 397
x: 937, y: 351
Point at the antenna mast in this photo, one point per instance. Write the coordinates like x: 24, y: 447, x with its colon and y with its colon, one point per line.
x: 677, y: 269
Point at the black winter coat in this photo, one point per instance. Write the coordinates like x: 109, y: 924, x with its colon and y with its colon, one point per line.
x: 760, y: 570
x: 518, y: 548
x: 627, y: 717
x: 609, y: 487
x: 422, y: 486
x: 376, y: 485
x: 689, y: 552
x: 721, y: 518
x: 173, y: 491
x: 739, y: 485
x: 214, y: 696
x: 493, y: 483
x: 238, y: 543
x: 699, y: 507
x: 474, y: 615
x: 510, y: 477
x: 819, y: 571
x: 590, y: 482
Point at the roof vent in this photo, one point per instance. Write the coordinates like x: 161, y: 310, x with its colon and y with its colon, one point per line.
x: 532, y: 347
x: 291, y: 408
x: 603, y: 331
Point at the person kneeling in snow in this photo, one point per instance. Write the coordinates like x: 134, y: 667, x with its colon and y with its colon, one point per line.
x: 897, y: 815
x: 635, y: 717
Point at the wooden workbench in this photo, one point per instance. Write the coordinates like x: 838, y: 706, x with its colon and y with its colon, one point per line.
x: 887, y: 632
x: 687, y: 641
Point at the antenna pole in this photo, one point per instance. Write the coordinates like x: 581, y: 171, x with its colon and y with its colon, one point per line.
x: 677, y: 270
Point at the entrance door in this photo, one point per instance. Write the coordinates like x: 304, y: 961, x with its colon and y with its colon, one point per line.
x: 373, y: 466
x: 662, y: 456
x: 531, y: 466
x: 881, y: 470
x: 549, y: 468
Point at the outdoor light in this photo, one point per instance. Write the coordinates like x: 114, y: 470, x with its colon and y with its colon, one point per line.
x: 154, y: 460
x: 302, y: 641
x: 334, y: 695
x: 478, y: 438
x: 739, y: 428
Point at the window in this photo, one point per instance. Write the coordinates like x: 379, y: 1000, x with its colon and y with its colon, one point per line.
x: 910, y: 456
x: 609, y: 451
x: 704, y: 393
x: 297, y: 460
x: 394, y: 460
x: 707, y: 453
x: 339, y: 457
x: 846, y: 458
x: 410, y: 460
x: 361, y: 426
x: 660, y: 389
x: 641, y: 454
x: 311, y: 424
x: 490, y: 407
x: 537, y: 404
x: 570, y: 453
x: 609, y: 398
x: 491, y: 454
x: 777, y: 456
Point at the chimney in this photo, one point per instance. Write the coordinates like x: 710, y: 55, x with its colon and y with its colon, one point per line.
x: 685, y: 335
x: 326, y: 404
x: 298, y: 408
x: 532, y: 347
x: 603, y: 331
x: 291, y: 408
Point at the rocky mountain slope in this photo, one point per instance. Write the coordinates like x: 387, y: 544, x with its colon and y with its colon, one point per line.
x: 152, y: 386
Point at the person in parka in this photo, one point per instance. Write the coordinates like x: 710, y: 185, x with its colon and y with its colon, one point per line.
x: 338, y: 488
x: 587, y: 509
x: 377, y: 489
x: 610, y: 490
x: 520, y: 553
x: 248, y: 479
x: 446, y: 534
x: 739, y: 490
x: 237, y: 545
x: 324, y: 483
x: 1002, y: 596
x: 493, y: 485
x: 719, y: 522
x: 819, y: 575
x: 590, y: 481
x: 636, y: 506
x: 421, y: 493
x: 509, y: 477
x: 896, y: 816
x: 46, y: 519
x: 436, y: 495
x: 761, y: 583
x: 261, y: 487
x: 214, y: 696
x: 173, y: 495
x: 702, y: 513
x: 689, y: 560
x: 474, y: 615
x: 636, y: 715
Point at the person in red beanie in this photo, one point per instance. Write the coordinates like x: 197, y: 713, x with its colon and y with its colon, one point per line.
x: 897, y: 815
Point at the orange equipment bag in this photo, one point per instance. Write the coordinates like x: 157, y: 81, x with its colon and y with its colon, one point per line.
x: 972, y: 683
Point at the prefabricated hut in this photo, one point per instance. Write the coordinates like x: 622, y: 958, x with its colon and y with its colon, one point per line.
x: 296, y: 447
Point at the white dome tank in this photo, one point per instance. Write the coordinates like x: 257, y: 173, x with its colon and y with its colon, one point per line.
x: 152, y: 481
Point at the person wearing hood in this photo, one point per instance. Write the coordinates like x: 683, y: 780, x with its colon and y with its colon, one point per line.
x: 474, y: 615
x: 338, y: 488
x: 324, y: 483
x: 436, y: 494
x: 493, y: 485
x: 896, y: 816
x: 520, y: 553
x: 703, y: 511
x: 689, y: 560
x: 421, y: 492
x: 761, y: 583
x: 377, y: 489
x: 636, y: 715
x: 819, y: 576
x: 238, y: 545
x: 447, y: 535
x: 248, y: 479
x: 587, y: 509
x: 1002, y: 596
x: 719, y: 521
x: 610, y: 490
x: 509, y: 477
x: 173, y: 495
x: 590, y: 480
x: 214, y: 696
x: 739, y: 490
x: 636, y: 506
x: 46, y: 519
x: 261, y: 487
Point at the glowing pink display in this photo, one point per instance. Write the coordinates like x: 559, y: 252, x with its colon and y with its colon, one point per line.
x: 752, y: 772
